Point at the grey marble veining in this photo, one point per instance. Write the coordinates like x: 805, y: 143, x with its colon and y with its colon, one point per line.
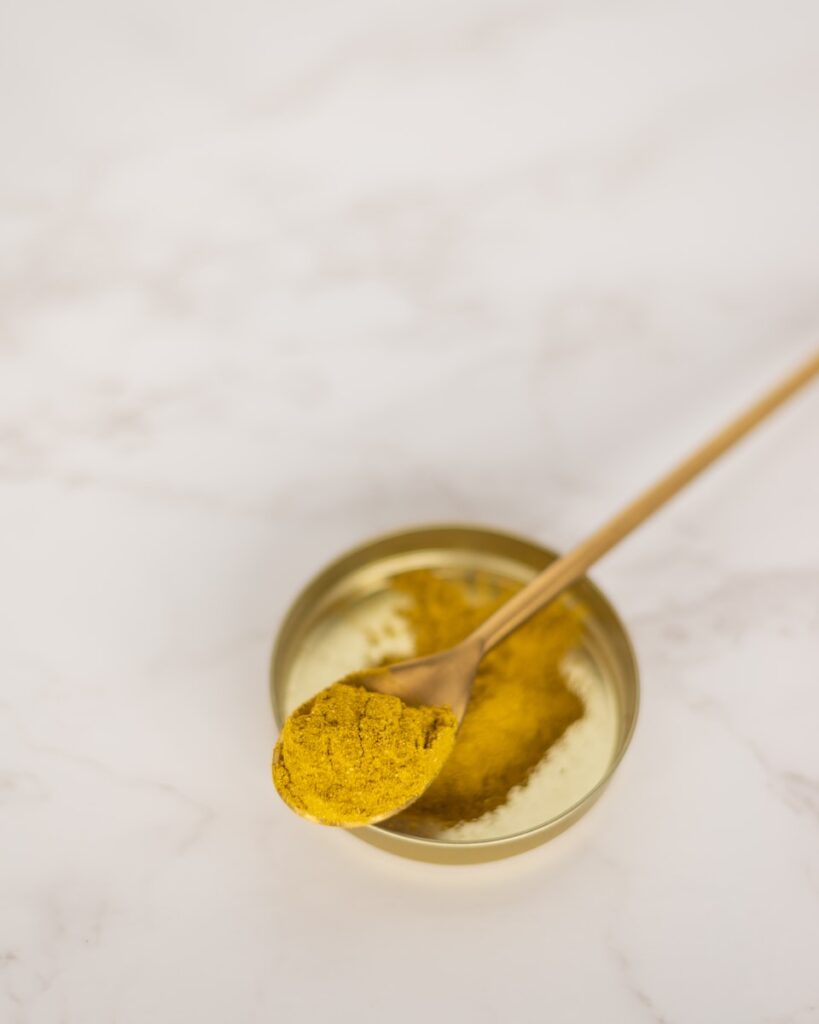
x: 276, y: 277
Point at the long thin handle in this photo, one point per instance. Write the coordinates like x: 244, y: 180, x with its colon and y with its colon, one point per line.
x: 570, y: 567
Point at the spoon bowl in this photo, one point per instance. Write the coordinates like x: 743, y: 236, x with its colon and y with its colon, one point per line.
x: 440, y: 680
x: 443, y: 679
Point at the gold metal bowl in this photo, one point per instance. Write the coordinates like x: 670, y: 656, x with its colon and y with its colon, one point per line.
x: 336, y: 624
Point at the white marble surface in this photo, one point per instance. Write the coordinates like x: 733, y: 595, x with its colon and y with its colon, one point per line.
x: 277, y: 276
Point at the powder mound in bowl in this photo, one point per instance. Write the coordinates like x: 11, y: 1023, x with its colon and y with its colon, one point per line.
x: 348, y: 755
x: 521, y: 702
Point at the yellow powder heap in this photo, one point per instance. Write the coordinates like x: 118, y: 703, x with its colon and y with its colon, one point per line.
x: 520, y: 704
x: 350, y: 755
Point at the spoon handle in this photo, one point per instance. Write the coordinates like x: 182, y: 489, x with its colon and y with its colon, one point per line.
x: 548, y: 584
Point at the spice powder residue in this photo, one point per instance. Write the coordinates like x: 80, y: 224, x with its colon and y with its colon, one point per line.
x: 520, y: 706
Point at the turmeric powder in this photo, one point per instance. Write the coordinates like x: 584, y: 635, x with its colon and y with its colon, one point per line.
x: 349, y: 756
x: 520, y: 703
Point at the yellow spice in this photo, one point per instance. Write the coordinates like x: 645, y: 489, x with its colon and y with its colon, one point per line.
x: 349, y: 755
x: 520, y: 704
